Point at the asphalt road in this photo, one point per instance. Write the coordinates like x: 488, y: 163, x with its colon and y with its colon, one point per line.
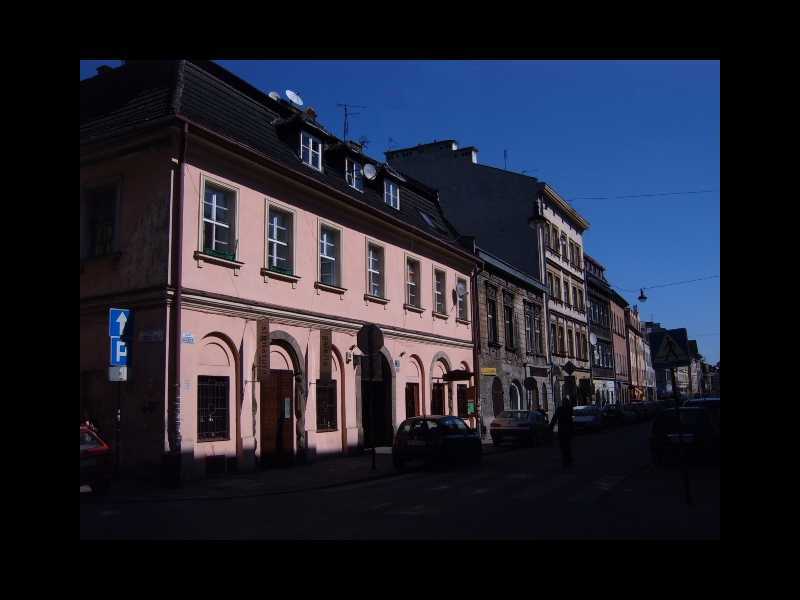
x: 612, y: 492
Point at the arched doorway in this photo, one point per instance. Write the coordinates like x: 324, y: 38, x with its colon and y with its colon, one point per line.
x: 376, y: 408
x: 498, y: 402
x: 545, y: 405
x: 532, y: 398
x: 514, y: 397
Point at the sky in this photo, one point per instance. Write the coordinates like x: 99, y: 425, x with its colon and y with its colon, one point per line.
x: 594, y: 130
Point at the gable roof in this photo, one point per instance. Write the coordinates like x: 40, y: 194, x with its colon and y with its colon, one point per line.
x: 145, y: 93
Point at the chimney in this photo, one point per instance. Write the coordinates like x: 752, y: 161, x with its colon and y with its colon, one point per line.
x: 311, y: 112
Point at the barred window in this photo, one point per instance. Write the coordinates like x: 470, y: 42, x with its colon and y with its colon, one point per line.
x: 212, y: 408
x: 326, y: 405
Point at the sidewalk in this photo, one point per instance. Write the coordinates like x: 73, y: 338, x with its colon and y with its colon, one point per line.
x: 323, y: 473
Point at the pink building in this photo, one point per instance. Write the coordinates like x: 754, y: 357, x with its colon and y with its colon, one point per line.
x: 212, y: 210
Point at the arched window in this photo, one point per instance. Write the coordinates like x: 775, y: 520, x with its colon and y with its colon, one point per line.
x: 497, y: 396
x: 515, y: 400
x: 532, y: 398
x: 545, y: 405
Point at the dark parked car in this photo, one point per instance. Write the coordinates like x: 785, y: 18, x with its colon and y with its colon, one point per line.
x: 612, y: 415
x: 695, y: 431
x: 97, y: 461
x: 435, y: 439
x: 521, y: 426
x: 587, y: 418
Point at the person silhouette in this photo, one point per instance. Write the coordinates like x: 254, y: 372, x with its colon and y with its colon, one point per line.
x: 563, y: 416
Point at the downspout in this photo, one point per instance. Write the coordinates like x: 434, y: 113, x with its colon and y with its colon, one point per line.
x: 476, y: 339
x: 175, y: 420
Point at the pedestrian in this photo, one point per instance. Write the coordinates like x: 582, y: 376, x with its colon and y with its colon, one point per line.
x: 563, y: 416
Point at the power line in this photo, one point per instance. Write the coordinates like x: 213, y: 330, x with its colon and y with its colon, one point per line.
x: 644, y: 195
x: 650, y: 287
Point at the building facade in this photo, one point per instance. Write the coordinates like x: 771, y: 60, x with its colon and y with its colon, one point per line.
x: 600, y: 332
x: 493, y: 208
x: 622, y: 372
x: 568, y: 328
x: 252, y: 246
x: 638, y: 385
x: 676, y: 348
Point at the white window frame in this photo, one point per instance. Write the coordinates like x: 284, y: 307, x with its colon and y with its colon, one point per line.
x: 337, y: 258
x: 275, y: 206
x: 201, y: 216
x: 416, y: 283
x: 370, y: 270
x: 387, y: 187
x: 462, y: 301
x: 443, y: 292
x: 350, y: 174
x: 311, y: 152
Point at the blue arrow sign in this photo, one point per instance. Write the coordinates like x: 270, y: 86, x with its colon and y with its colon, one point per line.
x: 119, y: 353
x: 117, y: 319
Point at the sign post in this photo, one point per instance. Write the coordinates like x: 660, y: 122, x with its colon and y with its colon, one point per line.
x: 119, y: 334
x: 370, y: 341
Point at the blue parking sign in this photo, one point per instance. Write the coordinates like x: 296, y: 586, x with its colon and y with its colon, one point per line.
x: 119, y: 353
x: 117, y: 321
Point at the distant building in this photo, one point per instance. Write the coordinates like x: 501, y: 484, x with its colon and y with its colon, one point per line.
x: 622, y: 375
x: 600, y: 321
x: 636, y: 355
x: 662, y: 367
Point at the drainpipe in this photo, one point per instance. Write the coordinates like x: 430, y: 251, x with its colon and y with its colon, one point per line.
x: 476, y: 338
x: 174, y: 425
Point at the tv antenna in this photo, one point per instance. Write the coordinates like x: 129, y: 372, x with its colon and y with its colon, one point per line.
x: 347, y: 114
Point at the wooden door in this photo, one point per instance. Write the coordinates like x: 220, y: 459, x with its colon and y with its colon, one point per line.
x: 277, y: 418
x: 437, y: 399
x: 412, y: 400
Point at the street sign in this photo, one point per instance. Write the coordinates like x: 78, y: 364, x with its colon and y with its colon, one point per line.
x: 119, y: 353
x: 117, y: 321
x: 370, y: 338
x: 457, y: 375
x: 569, y: 368
x: 118, y: 373
x: 670, y: 352
x: 488, y: 371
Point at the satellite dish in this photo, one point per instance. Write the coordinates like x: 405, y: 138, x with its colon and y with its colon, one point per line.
x: 294, y: 97
x: 370, y: 172
x: 275, y: 96
x: 461, y: 289
x: 593, y: 339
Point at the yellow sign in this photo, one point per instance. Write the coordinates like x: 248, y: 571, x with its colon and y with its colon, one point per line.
x: 488, y: 371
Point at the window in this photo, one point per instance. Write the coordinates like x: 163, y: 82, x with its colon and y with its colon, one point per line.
x: 508, y: 320
x: 326, y: 405
x: 529, y: 341
x: 570, y: 343
x: 558, y: 288
x: 311, y: 151
x: 564, y: 254
x: 553, y: 347
x: 212, y: 408
x: 554, y: 238
x: 537, y: 329
x: 391, y: 194
x: 566, y: 291
x: 560, y: 339
x: 551, y: 284
x: 100, y: 211
x: 462, y: 301
x: 279, y: 241
x: 491, y: 313
x: 353, y: 174
x: 580, y: 300
x: 575, y: 297
x: 375, y: 270
x: 547, y: 235
x: 515, y: 402
x: 412, y: 282
x: 439, y: 286
x: 219, y: 221
x: 329, y: 256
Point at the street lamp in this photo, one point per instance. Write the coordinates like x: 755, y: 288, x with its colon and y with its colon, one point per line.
x: 642, y: 297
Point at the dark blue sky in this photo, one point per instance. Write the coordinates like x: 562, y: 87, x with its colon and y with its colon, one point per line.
x: 591, y: 129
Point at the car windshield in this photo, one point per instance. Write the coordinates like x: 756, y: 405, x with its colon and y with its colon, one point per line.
x: 519, y: 415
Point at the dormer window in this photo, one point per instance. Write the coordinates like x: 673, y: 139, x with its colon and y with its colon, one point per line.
x: 391, y: 193
x: 311, y: 151
x: 353, y: 174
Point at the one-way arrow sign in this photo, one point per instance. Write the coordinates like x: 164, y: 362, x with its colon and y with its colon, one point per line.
x: 117, y: 319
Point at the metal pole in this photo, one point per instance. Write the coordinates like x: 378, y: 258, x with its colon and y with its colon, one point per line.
x: 371, y: 420
x: 684, y: 471
x: 118, y: 428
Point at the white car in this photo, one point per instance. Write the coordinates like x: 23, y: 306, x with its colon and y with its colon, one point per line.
x: 587, y: 418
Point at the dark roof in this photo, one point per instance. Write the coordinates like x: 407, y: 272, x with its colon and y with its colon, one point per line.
x: 693, y: 348
x: 680, y: 336
x: 140, y: 93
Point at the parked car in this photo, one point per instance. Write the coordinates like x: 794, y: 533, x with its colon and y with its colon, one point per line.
x: 587, y: 418
x: 710, y: 404
x: 639, y: 410
x: 97, y: 461
x: 695, y: 431
x: 521, y: 426
x: 612, y: 415
x: 629, y: 415
x: 435, y: 439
